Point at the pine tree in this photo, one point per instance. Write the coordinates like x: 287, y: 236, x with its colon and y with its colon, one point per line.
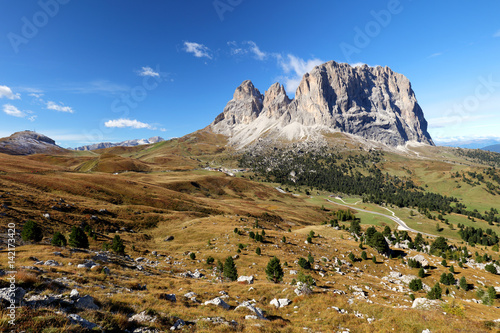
x: 435, y: 292
x: 421, y: 273
x: 258, y: 251
x: 274, y: 271
x: 304, y: 263
x: 220, y: 266
x: 58, y: 239
x: 310, y: 258
x: 463, y: 283
x: 379, y: 243
x: 363, y: 255
x: 452, y: 269
x: 117, y: 245
x: 230, y: 270
x: 31, y: 232
x: 444, y: 263
x: 374, y: 259
x: 78, y: 238
x: 415, y: 284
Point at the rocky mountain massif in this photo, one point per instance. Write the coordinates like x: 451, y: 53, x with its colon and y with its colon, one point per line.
x: 27, y: 143
x: 374, y: 103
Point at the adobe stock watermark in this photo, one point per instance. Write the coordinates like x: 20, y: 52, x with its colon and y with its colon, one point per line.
x: 127, y: 102
x: 460, y: 112
x: 31, y: 27
x: 364, y: 36
x: 223, y: 6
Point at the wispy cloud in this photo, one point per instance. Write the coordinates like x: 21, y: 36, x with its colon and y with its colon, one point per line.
x: 7, y: 93
x: 11, y: 110
x: 256, y: 51
x: 95, y: 87
x: 123, y: 123
x: 198, y: 50
x: 437, y: 54
x: 496, y: 34
x: 248, y: 47
x: 148, y: 71
x: 294, y: 68
x: 61, y: 108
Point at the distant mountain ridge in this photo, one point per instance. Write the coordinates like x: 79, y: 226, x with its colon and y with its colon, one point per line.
x: 28, y: 143
x: 374, y: 103
x: 127, y: 143
x: 493, y: 148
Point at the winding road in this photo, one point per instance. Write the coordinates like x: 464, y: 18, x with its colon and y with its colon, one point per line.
x: 401, y: 223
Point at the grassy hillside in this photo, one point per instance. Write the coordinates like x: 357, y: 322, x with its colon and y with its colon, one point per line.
x: 166, y: 194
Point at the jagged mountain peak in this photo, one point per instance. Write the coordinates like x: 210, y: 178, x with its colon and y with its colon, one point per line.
x: 374, y: 103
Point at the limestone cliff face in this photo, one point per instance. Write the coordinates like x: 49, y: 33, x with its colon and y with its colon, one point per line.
x: 371, y: 102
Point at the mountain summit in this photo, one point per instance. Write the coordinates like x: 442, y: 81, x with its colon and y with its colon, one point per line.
x: 27, y: 143
x: 374, y: 103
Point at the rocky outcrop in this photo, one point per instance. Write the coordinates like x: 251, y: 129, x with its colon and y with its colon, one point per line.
x: 374, y: 103
x: 28, y: 143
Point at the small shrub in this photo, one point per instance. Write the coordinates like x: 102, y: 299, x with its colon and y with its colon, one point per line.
x: 31, y: 232
x: 421, y: 273
x: 230, y: 271
x: 363, y: 255
x: 58, y: 239
x: 274, y: 271
x: 415, y: 285
x: 78, y: 238
x: 117, y: 245
x: 258, y: 251
x: 491, y: 268
x: 435, y: 292
x: 310, y: 258
x: 304, y: 263
x: 463, y: 283
x: 210, y: 260
x: 192, y: 256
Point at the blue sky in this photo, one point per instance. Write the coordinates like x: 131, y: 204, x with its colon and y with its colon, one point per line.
x: 91, y: 71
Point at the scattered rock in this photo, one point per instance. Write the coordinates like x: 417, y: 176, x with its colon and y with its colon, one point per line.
x: 74, y: 294
x: 168, y: 297
x: 218, y: 302
x: 178, y: 325
x: 424, y: 303
x: 247, y: 279
x: 255, y: 310
x: 86, y: 302
x: 143, y: 317
x: 7, y: 293
x: 280, y: 303
x: 76, y: 319
x: 421, y: 259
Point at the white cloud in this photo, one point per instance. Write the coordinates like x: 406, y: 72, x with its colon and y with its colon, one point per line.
x: 256, y: 51
x: 122, y: 123
x: 61, y: 108
x: 7, y: 93
x: 437, y: 54
x: 236, y: 49
x: 497, y: 34
x: 199, y: 50
x: 11, y: 110
x: 148, y: 71
x: 36, y: 95
x: 295, y: 68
